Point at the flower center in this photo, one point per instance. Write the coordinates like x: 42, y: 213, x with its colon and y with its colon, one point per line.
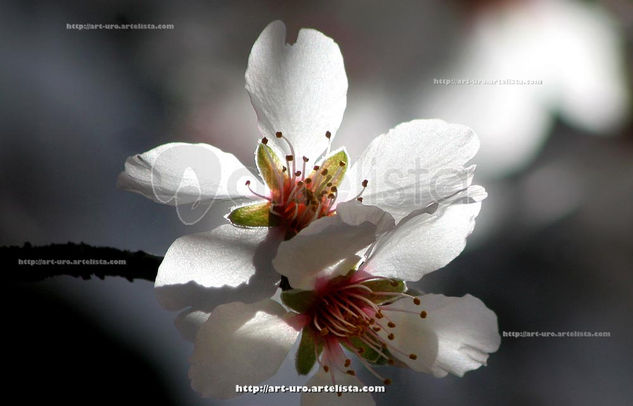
x: 303, y: 197
x: 298, y: 197
x: 351, y: 315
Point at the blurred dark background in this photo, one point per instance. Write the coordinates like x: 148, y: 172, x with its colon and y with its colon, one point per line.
x: 553, y: 249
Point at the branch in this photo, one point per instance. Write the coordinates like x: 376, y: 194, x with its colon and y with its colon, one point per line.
x: 30, y: 264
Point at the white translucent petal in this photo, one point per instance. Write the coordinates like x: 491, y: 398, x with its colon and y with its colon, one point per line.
x: 324, y: 379
x: 180, y: 173
x: 413, y: 165
x: 299, y: 89
x: 324, y: 243
x: 225, y: 256
x: 423, y: 243
x: 456, y: 336
x: 240, y: 344
x: 188, y: 323
x: 355, y: 213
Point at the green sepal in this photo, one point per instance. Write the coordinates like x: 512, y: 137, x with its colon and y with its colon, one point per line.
x: 413, y: 292
x: 369, y: 353
x: 307, y: 352
x: 269, y: 166
x: 384, y: 285
x: 298, y: 300
x: 254, y: 215
x: 335, y: 170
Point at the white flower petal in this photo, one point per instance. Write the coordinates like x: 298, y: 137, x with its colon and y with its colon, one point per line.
x: 179, y: 173
x: 322, y: 378
x: 225, y: 256
x: 355, y: 213
x: 329, y: 241
x: 423, y: 243
x: 189, y: 321
x: 340, y: 268
x: 413, y: 165
x: 322, y: 244
x: 299, y: 89
x: 240, y: 344
x: 456, y: 336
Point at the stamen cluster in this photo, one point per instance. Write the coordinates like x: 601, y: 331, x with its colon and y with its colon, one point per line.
x: 303, y: 197
x: 352, y: 315
x: 297, y: 197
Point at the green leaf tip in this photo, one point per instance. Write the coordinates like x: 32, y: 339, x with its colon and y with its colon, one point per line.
x: 298, y: 300
x: 270, y: 167
x: 334, y: 166
x: 307, y: 352
x: 254, y: 215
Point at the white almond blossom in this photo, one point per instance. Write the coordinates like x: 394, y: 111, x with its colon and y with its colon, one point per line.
x: 348, y: 303
x: 299, y: 94
x: 402, y: 210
